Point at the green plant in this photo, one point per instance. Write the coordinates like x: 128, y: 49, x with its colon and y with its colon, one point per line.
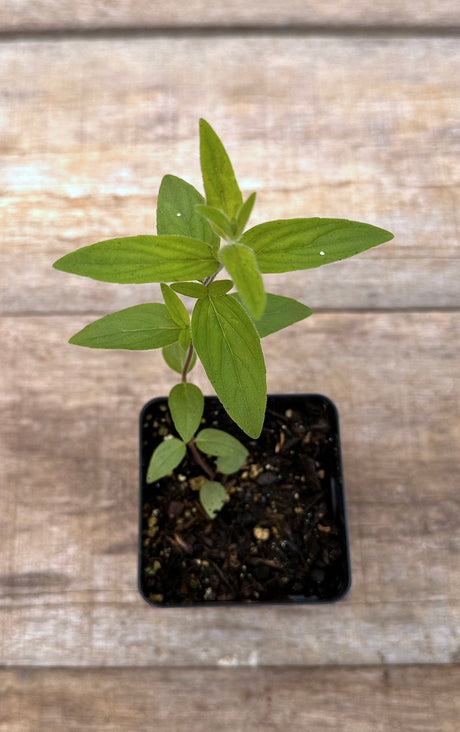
x: 226, y: 328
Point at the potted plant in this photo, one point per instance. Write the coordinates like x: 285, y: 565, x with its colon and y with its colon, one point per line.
x: 241, y: 498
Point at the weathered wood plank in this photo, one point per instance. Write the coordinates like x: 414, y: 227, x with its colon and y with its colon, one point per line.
x: 361, y: 128
x: 104, y: 633
x: 286, y: 699
x: 55, y: 14
x: 99, y: 633
x: 69, y: 500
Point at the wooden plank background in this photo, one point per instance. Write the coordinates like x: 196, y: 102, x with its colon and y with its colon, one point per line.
x: 358, y: 128
x: 339, y: 14
x: 285, y: 699
x: 333, y: 123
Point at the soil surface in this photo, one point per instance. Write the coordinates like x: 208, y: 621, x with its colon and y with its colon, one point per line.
x: 281, y: 535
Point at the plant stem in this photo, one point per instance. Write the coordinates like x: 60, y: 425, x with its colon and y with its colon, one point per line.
x: 200, y: 460
x: 188, y: 358
x: 207, y: 281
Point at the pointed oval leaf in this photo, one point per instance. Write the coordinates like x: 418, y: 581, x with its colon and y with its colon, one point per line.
x: 190, y: 289
x: 175, y: 356
x: 219, y: 287
x: 219, y: 180
x: 166, y: 457
x: 280, y: 312
x: 241, y: 263
x: 244, y: 213
x: 291, y: 244
x: 185, y: 338
x: 136, y: 259
x: 213, y: 497
x: 219, y: 220
x: 229, y: 348
x: 176, y: 212
x: 231, y: 453
x: 176, y: 307
x: 137, y: 328
x: 186, y: 403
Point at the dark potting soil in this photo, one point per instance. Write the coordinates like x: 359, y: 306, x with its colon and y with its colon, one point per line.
x: 281, y: 537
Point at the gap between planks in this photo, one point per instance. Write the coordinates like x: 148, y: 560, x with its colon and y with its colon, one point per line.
x: 206, y: 31
x: 317, y: 311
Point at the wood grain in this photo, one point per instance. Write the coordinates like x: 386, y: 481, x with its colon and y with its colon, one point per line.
x: 282, y: 699
x: 56, y: 14
x: 69, y: 500
x: 357, y: 127
x: 358, y: 119
x: 99, y: 632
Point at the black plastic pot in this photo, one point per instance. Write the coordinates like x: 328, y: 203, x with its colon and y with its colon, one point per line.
x: 304, y: 429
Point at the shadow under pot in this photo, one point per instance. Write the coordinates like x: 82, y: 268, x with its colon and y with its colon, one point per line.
x: 281, y: 537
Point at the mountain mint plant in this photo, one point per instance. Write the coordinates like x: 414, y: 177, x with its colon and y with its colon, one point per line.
x: 197, y: 238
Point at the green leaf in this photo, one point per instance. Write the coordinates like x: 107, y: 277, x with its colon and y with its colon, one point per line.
x: 241, y: 263
x: 219, y: 220
x: 175, y: 356
x: 291, y: 244
x: 244, y: 213
x: 137, y: 328
x: 229, y: 348
x: 136, y: 259
x: 176, y: 307
x: 228, y: 465
x: 190, y: 289
x: 219, y: 287
x: 176, y: 212
x: 186, y: 403
x: 219, y: 180
x: 279, y: 313
x: 213, y: 497
x: 230, y: 452
x: 185, y: 338
x: 167, y: 456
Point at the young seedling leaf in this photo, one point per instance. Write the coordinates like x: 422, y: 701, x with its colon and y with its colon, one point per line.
x: 175, y: 356
x: 176, y: 307
x: 219, y: 287
x: 190, y: 289
x: 279, y: 313
x: 292, y: 244
x: 186, y: 403
x: 244, y: 213
x: 213, y: 497
x: 137, y: 328
x: 221, y: 188
x: 137, y: 259
x: 241, y: 263
x: 229, y: 465
x: 229, y: 347
x: 176, y: 211
x: 230, y: 453
x: 167, y: 456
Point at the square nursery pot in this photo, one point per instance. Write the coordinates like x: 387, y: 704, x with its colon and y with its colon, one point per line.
x: 281, y: 537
